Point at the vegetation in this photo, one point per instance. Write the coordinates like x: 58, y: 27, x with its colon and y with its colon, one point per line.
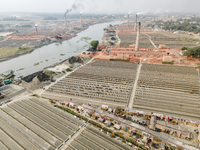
x: 194, y: 52
x: 50, y: 18
x: 113, y: 134
x: 68, y: 69
x: 184, y: 48
x: 36, y: 64
x: 190, y: 25
x: 36, y: 95
x: 95, y: 123
x: 126, y: 60
x: 10, y: 51
x: 156, y: 139
x: 94, y: 43
x: 25, y: 25
x: 20, y: 69
x: 166, y: 62
x: 13, y: 19
x: 24, y: 49
x: 62, y: 54
x: 71, y: 112
x: 20, y: 77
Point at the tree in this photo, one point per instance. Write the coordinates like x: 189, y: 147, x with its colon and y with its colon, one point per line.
x: 195, y: 52
x: 94, y: 43
x: 184, y: 48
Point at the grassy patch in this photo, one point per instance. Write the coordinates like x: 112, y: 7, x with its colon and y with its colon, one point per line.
x: 68, y: 69
x: 20, y: 77
x: 71, y: 112
x: 126, y: 60
x: 8, y: 51
x: 62, y: 54
x: 165, y: 62
x: 24, y: 49
x: 46, y: 60
x: 36, y: 64
x: 36, y: 95
x: 20, y: 69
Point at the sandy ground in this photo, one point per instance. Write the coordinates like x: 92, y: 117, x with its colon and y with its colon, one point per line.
x: 59, y: 68
x: 5, y: 33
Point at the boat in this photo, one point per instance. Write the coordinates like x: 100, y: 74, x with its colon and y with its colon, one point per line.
x: 6, y: 75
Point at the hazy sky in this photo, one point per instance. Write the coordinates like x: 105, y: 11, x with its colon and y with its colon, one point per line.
x: 101, y: 6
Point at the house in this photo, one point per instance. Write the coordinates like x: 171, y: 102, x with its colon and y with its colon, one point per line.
x: 108, y: 123
x: 117, y: 127
x: 100, y: 120
x: 104, y: 107
x: 71, y: 104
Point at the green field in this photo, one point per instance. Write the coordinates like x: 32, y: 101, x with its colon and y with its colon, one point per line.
x: 11, y: 51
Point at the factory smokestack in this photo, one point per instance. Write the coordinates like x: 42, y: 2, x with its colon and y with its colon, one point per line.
x: 36, y: 30
x: 80, y: 20
x: 138, y: 37
x: 135, y: 28
x: 65, y: 20
x: 76, y: 4
x: 128, y: 20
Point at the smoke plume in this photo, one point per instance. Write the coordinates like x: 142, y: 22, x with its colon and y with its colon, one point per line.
x: 77, y: 4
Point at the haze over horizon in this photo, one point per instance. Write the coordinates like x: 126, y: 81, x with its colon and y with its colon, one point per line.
x: 103, y: 6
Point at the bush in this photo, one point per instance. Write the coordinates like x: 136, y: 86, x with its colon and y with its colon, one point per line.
x: 112, y: 135
x: 108, y: 130
x: 94, y: 43
x: 120, y: 135
x: 195, y: 52
x: 166, y: 62
x: 156, y: 139
x: 72, y: 112
x: 184, y: 48
x: 68, y: 69
x: 126, y: 60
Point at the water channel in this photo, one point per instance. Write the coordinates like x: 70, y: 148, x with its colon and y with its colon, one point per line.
x: 53, y: 53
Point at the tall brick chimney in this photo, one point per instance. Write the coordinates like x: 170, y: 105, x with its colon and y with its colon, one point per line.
x: 138, y: 37
x: 80, y: 20
x: 128, y: 20
x: 135, y: 28
x: 65, y: 20
x: 36, y: 30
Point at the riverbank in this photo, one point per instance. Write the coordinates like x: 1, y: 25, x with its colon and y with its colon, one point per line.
x: 53, y: 53
x: 40, y: 44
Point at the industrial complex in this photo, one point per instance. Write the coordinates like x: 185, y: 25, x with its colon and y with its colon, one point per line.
x: 135, y: 90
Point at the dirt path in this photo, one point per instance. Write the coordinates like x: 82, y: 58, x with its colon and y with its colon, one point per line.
x: 151, y: 40
x: 134, y: 87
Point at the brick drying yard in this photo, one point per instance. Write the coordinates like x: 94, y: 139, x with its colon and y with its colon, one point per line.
x: 97, y: 82
x: 33, y: 124
x: 159, y: 88
x: 157, y: 38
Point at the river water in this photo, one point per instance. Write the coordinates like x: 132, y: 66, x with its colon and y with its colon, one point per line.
x: 53, y: 53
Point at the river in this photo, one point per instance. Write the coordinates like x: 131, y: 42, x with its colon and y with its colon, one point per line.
x: 53, y: 53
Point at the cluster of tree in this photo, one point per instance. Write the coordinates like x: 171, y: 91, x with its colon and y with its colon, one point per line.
x: 94, y: 43
x: 190, y: 25
x: 13, y: 19
x: 25, y: 25
x: 194, y: 52
x: 50, y: 18
x: 185, y: 26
